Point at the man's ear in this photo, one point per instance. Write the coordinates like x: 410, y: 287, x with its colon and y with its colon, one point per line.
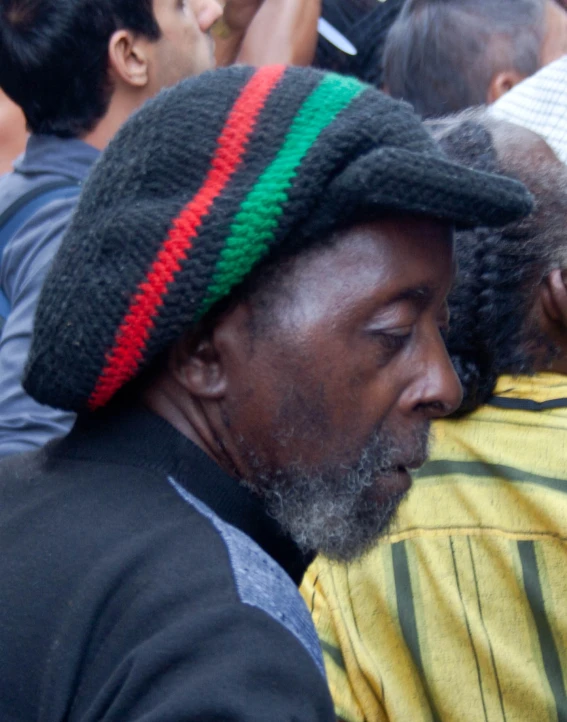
x: 501, y: 83
x: 197, y: 366
x: 128, y: 58
x: 554, y: 297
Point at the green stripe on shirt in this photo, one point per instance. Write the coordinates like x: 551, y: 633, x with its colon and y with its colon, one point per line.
x: 550, y: 656
x: 481, y: 469
x: 407, y: 617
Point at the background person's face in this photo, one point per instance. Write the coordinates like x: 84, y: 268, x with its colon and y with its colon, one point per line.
x: 185, y: 47
x: 353, y: 359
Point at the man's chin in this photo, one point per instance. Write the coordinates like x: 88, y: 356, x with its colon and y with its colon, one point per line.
x: 368, y: 531
x: 342, y: 511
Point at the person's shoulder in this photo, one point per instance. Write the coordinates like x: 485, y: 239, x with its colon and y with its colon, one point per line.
x: 49, y: 167
x: 259, y: 581
x: 13, y: 186
x: 35, y: 240
x: 37, y: 205
x: 124, y: 518
x: 20, y: 467
x: 186, y: 585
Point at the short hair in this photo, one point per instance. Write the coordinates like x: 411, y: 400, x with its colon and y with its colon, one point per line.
x: 440, y: 55
x: 54, y: 58
x: 492, y: 331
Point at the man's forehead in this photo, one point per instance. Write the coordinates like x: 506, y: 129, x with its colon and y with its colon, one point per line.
x: 368, y: 263
x: 390, y: 237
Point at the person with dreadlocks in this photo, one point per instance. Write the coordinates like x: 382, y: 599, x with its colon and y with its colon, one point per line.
x: 459, y: 612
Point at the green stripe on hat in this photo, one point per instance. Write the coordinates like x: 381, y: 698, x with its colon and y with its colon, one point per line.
x: 256, y: 221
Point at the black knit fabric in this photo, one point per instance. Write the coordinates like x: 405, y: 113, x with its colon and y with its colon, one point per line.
x: 120, y: 601
x: 372, y: 157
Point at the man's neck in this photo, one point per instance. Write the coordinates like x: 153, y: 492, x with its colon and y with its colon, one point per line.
x: 166, y: 399
x: 119, y: 110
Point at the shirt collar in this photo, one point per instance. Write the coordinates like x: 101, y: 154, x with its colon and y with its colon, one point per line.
x: 68, y: 157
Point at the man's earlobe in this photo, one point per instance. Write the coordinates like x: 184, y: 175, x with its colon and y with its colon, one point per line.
x: 198, y: 368
x: 501, y: 83
x: 554, y: 296
x: 128, y: 58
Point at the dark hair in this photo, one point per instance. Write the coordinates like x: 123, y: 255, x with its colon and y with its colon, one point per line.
x: 365, y: 23
x: 54, y: 58
x: 440, y: 55
x: 492, y: 331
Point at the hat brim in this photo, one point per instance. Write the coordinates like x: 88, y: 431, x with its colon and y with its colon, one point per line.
x: 397, y: 180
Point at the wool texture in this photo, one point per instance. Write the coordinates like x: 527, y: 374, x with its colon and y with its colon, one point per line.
x: 204, y: 182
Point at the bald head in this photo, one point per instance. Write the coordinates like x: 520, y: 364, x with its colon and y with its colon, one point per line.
x: 514, y: 142
x: 478, y: 139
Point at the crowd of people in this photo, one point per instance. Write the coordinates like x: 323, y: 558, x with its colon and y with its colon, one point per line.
x: 283, y: 360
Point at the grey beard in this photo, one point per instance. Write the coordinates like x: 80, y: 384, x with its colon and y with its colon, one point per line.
x: 337, y: 511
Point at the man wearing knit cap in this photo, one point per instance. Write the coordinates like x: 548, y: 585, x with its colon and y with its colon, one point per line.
x: 246, y: 314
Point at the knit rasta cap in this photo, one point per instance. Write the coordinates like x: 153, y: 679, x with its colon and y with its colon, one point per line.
x: 206, y: 180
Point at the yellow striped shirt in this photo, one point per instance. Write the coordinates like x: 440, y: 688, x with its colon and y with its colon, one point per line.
x: 460, y: 612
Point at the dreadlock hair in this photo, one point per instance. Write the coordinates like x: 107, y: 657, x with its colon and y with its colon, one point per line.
x: 493, y: 330
x: 366, y: 24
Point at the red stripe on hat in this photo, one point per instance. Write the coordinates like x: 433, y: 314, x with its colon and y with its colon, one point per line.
x: 123, y: 359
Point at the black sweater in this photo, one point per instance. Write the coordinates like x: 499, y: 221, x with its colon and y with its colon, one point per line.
x: 139, y: 582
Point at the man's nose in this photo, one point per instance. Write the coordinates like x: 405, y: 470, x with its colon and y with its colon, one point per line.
x: 436, y: 389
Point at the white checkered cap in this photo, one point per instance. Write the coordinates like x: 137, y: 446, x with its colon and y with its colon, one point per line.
x: 539, y: 103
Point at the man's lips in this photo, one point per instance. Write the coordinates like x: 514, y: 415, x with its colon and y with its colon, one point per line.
x: 392, y: 483
x: 415, y: 463
x: 413, y: 452
x: 397, y: 479
x: 411, y: 465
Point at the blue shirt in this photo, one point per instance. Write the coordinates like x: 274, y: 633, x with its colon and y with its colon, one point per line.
x: 25, y: 424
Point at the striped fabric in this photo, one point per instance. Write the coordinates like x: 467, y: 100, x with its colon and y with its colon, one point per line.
x: 460, y: 612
